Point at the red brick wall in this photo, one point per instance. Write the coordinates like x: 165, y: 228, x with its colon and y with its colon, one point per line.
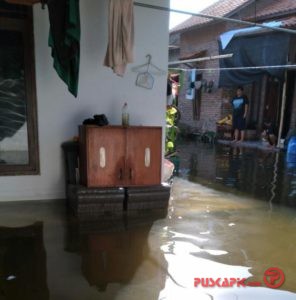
x: 214, y: 106
x: 211, y: 103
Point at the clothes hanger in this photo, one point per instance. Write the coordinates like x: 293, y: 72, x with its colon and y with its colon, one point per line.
x: 149, y: 65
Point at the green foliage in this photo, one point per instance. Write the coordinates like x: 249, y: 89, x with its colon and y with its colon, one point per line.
x: 171, y: 130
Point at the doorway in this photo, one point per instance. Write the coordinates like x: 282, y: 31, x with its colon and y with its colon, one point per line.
x: 289, y: 102
x: 272, y: 101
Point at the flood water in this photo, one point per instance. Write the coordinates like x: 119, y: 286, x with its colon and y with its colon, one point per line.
x: 265, y: 175
x: 45, y: 253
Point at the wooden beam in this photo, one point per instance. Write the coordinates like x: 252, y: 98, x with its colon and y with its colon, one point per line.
x: 284, y: 97
x: 23, y: 2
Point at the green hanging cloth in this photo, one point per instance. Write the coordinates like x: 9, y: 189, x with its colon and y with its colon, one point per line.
x: 64, y: 40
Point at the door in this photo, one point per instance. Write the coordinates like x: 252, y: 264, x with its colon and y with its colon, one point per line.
x: 272, y: 99
x: 105, y: 156
x: 143, y: 164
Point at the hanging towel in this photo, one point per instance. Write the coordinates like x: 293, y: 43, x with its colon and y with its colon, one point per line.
x: 64, y: 40
x: 121, y: 35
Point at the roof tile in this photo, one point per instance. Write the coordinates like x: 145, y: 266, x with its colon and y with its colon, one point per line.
x: 218, y: 9
x: 223, y: 8
x: 276, y: 7
x: 289, y: 22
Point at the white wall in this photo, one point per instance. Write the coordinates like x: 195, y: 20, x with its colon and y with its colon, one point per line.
x: 100, y: 91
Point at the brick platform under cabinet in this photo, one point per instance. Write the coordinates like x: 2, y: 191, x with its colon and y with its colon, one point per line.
x: 89, y: 203
x: 93, y: 203
x: 151, y: 197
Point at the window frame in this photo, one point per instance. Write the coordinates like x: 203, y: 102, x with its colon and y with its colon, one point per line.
x: 24, y: 25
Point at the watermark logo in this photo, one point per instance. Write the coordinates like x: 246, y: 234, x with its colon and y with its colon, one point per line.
x: 219, y: 282
x: 273, y: 278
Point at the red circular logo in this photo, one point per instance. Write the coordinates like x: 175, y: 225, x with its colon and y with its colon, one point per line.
x: 274, y: 278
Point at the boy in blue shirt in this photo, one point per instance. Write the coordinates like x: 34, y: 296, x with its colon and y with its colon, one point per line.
x: 240, y: 105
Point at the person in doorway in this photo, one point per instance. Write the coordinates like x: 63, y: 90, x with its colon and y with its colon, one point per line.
x: 268, y: 133
x: 240, y: 104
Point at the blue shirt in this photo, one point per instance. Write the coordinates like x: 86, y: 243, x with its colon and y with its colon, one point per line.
x: 238, y: 105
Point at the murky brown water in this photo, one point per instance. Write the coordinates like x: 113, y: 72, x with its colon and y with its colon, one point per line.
x: 232, y: 236
x: 264, y: 175
x: 45, y: 254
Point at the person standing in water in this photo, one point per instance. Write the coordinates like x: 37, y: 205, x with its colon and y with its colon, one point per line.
x: 240, y: 105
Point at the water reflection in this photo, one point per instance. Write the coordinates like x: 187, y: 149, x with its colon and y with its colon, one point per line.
x: 23, y: 263
x: 114, y: 250
x: 261, y: 174
x: 225, y: 236
x: 206, y: 233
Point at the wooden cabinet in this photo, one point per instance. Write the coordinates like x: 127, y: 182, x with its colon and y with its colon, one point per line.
x: 102, y: 156
x: 113, y: 156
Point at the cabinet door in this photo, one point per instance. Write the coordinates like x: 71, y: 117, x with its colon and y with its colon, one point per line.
x: 143, y: 164
x: 105, y: 156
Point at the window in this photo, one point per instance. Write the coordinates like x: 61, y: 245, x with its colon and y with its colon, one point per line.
x: 18, y: 122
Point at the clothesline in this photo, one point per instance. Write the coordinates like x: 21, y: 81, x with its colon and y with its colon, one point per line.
x: 213, y: 57
x: 237, y: 68
x: 167, y: 9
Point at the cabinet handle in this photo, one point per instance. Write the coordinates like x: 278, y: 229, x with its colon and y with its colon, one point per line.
x: 102, y: 158
x: 120, y: 174
x: 131, y: 173
x: 147, y: 157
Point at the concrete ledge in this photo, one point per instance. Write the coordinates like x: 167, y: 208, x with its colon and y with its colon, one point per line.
x: 250, y: 144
